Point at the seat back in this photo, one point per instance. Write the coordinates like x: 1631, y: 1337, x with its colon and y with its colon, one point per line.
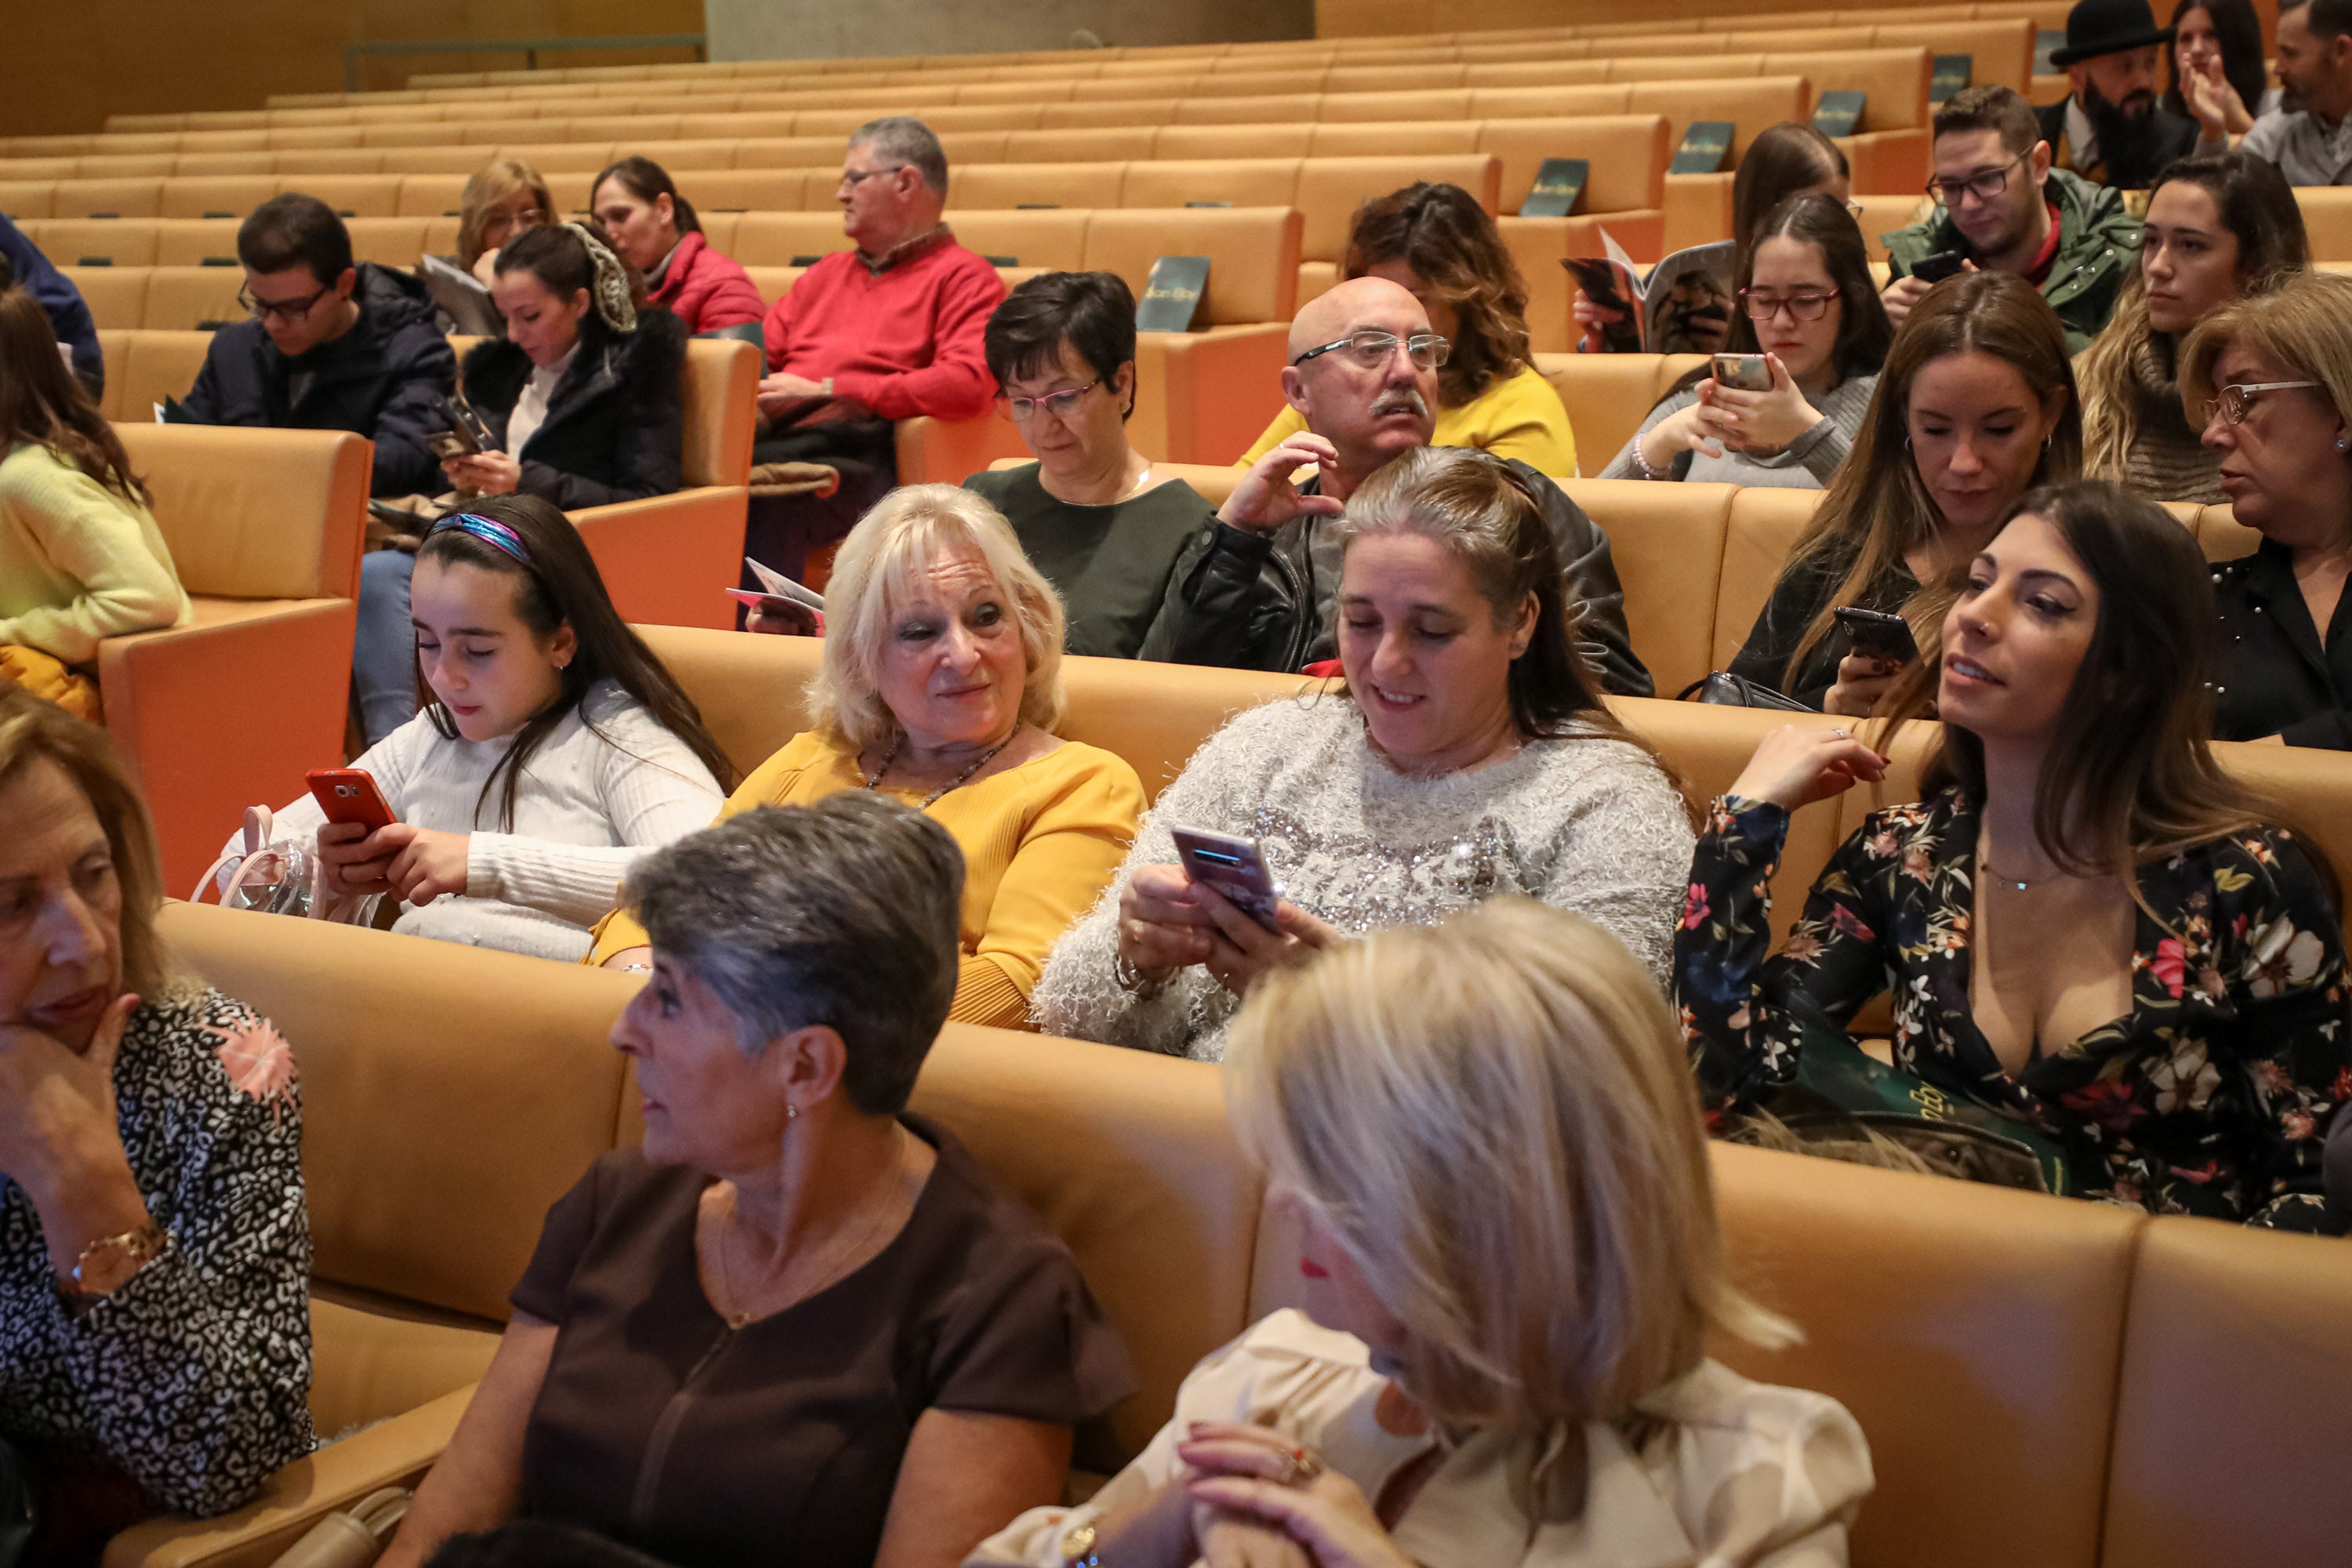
x: 1765, y: 527
x: 143, y: 368
x: 1667, y: 542
x: 2326, y: 219
x: 117, y: 296
x: 1252, y: 255
x: 256, y: 515
x: 720, y: 383
x: 193, y: 299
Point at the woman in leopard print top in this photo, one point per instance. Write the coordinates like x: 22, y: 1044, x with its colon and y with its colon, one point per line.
x: 154, y: 1249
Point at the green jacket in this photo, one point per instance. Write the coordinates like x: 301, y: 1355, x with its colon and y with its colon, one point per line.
x: 2098, y: 245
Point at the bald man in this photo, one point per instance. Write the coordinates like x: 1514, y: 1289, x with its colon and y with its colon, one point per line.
x: 1256, y: 591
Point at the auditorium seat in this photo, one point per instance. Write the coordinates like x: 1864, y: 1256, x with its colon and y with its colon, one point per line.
x: 265, y: 528
x: 1608, y: 395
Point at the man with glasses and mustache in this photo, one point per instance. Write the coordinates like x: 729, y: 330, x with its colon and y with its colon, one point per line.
x: 1257, y: 589
x: 2001, y: 208
x: 331, y: 346
x: 2109, y: 129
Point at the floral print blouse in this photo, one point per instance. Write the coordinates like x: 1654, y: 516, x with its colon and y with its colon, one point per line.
x: 195, y: 1377
x: 2211, y: 1096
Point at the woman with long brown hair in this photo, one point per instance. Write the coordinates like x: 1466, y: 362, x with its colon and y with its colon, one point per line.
x: 80, y: 556
x: 2085, y: 924
x: 1975, y: 405
x: 2219, y: 228
x: 1438, y: 244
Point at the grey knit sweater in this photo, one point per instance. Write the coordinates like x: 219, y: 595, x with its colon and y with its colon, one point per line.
x: 1808, y: 463
x: 1587, y: 823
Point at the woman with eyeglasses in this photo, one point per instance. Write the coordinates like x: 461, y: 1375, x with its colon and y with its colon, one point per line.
x: 555, y: 751
x: 2271, y: 377
x: 2219, y: 227
x: 1090, y: 513
x: 1975, y: 406
x: 1809, y: 307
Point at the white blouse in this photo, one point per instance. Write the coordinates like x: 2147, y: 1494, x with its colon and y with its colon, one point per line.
x: 1737, y: 1473
x: 590, y: 806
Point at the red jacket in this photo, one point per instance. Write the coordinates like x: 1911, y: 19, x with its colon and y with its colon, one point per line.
x: 707, y: 290
x: 904, y: 341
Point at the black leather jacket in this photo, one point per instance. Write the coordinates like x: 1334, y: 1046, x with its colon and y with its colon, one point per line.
x: 1248, y: 600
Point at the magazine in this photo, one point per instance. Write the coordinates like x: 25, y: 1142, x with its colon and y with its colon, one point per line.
x: 801, y: 607
x: 460, y: 297
x: 1684, y: 306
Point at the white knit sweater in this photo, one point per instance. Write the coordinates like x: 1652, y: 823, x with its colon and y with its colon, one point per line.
x: 589, y: 807
x: 1587, y: 823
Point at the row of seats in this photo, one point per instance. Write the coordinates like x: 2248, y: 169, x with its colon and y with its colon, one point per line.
x: 2034, y: 1376
x: 1375, y: 24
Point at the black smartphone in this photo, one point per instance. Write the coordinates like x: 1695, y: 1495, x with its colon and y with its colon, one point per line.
x: 1936, y: 267
x: 1877, y: 633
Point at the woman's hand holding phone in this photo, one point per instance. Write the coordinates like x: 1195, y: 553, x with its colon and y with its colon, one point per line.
x: 425, y: 863
x: 1763, y: 422
x: 1167, y: 922
x: 1862, y: 680
x: 1240, y: 949
x: 355, y: 864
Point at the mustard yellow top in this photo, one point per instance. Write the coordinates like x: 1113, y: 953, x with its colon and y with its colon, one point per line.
x: 1040, y: 842
x: 1518, y: 416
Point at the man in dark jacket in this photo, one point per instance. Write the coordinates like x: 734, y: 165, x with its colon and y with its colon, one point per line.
x: 1258, y: 590
x: 2109, y: 129
x: 69, y: 317
x: 333, y: 346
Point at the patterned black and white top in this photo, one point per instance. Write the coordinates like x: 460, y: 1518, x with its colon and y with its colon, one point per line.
x: 195, y: 1376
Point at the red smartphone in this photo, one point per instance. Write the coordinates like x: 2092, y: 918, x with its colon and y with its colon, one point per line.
x: 349, y: 794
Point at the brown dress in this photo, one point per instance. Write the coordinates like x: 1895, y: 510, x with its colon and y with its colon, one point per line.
x: 780, y: 1442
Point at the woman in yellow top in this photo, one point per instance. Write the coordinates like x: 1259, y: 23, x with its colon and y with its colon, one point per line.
x: 81, y: 557
x: 1438, y: 242
x: 941, y: 684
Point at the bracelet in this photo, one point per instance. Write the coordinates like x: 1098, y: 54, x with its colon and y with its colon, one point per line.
x: 111, y: 1262
x: 1641, y: 459
x: 1133, y: 981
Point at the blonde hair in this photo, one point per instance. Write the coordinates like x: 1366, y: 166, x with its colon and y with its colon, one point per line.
x: 880, y: 566
x: 487, y: 187
x: 33, y: 730
x: 2304, y: 326
x: 1496, y: 1118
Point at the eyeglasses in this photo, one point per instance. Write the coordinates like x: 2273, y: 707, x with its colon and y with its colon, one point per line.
x: 1372, y: 348
x: 1057, y: 404
x: 2236, y: 402
x: 284, y: 310
x: 1800, y: 307
x: 1854, y: 208
x: 1984, y: 185
x: 854, y: 178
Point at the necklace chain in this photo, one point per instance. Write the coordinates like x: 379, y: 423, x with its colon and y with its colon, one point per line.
x: 731, y: 1223
x: 897, y: 742
x: 2017, y: 882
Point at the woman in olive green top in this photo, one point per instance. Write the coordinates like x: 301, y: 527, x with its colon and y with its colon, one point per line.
x: 1090, y: 513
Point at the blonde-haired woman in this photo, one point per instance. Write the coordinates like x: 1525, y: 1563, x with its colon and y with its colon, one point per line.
x: 1509, y: 1274
x: 2270, y: 378
x: 154, y: 1247
x: 940, y: 686
x: 499, y: 202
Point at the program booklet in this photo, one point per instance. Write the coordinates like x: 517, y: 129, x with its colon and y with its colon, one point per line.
x: 1838, y: 112
x: 460, y: 296
x: 801, y: 606
x: 1952, y: 73
x: 1705, y: 146
x: 1559, y: 186
x: 1689, y: 290
x: 1172, y: 294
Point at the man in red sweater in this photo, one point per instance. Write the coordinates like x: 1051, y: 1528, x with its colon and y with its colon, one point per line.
x: 885, y: 332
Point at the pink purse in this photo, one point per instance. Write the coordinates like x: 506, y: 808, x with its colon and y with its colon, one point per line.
x: 279, y: 877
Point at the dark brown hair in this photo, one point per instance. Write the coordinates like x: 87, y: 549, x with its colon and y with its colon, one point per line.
x: 2132, y: 773
x: 1454, y: 248
x: 1877, y: 512
x: 647, y: 181
x: 1782, y: 160
x: 1864, y: 331
x: 292, y: 229
x: 560, y: 587
x: 1093, y: 312
x: 42, y: 402
x: 1990, y: 107
x: 2244, y: 66
x: 559, y: 258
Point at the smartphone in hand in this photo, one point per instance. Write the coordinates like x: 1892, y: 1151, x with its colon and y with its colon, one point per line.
x: 1877, y: 633
x: 1743, y: 373
x: 350, y: 795
x: 1232, y: 865
x: 1936, y: 267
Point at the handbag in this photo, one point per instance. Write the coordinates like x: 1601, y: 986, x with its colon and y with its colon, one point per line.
x: 1724, y: 690
x: 354, y: 1539
x: 278, y: 876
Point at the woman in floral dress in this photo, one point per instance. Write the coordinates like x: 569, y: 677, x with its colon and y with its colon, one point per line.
x: 2149, y: 969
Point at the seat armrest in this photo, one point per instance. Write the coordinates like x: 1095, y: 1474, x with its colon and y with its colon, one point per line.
x: 942, y: 451
x: 1203, y: 397
x: 669, y: 560
x: 391, y: 1453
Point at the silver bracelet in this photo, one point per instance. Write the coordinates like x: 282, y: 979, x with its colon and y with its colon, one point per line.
x: 1132, y: 980
x: 1642, y: 461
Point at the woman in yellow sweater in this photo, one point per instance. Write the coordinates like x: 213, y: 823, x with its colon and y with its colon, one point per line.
x: 941, y: 684
x: 1437, y: 242
x: 80, y: 556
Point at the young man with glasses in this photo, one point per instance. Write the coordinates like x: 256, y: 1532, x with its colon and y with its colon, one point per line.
x: 887, y: 330
x: 1257, y: 589
x: 2000, y: 207
x: 331, y: 346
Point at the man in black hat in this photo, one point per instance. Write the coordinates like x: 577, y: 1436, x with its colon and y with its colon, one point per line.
x: 2109, y: 129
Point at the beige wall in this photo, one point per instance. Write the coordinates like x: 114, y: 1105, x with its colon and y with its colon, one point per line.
x: 780, y: 29
x: 68, y: 64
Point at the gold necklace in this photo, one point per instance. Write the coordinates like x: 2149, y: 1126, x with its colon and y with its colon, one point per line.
x: 730, y: 1224
x: 874, y: 779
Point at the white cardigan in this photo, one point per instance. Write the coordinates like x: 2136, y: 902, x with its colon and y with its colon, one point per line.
x: 1735, y: 1473
x: 589, y: 807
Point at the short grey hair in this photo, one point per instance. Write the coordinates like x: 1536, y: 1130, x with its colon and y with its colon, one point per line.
x: 903, y: 139
x: 843, y: 913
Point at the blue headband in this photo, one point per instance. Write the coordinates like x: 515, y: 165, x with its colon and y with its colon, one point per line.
x: 489, y: 531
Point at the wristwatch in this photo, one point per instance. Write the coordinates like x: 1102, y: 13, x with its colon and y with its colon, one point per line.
x: 1078, y: 1547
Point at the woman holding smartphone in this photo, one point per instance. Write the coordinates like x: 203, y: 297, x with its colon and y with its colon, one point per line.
x: 1976, y: 405
x: 1811, y: 332
x: 1468, y: 756
x: 554, y: 753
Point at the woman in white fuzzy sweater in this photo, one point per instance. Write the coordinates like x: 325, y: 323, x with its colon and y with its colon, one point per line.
x: 555, y: 752
x: 1469, y: 757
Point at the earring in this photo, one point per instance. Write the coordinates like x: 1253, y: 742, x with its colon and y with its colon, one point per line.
x: 2342, y: 446
x: 792, y: 1111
